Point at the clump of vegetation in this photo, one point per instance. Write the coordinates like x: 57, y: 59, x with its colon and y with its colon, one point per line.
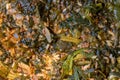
x: 59, y: 39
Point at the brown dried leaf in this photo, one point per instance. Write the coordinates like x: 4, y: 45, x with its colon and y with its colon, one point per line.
x: 26, y: 69
x: 12, y: 75
x: 1, y: 52
x: 12, y: 52
x: 47, y: 34
x: 3, y: 70
x: 1, y: 19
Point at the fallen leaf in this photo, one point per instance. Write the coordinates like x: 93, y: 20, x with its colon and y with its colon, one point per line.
x: 26, y: 69
x: 12, y: 52
x: 3, y: 70
x: 70, y: 39
x: 47, y: 34
x: 1, y: 52
x: 12, y: 75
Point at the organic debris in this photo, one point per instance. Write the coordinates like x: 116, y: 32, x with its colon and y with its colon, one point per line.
x: 59, y: 39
